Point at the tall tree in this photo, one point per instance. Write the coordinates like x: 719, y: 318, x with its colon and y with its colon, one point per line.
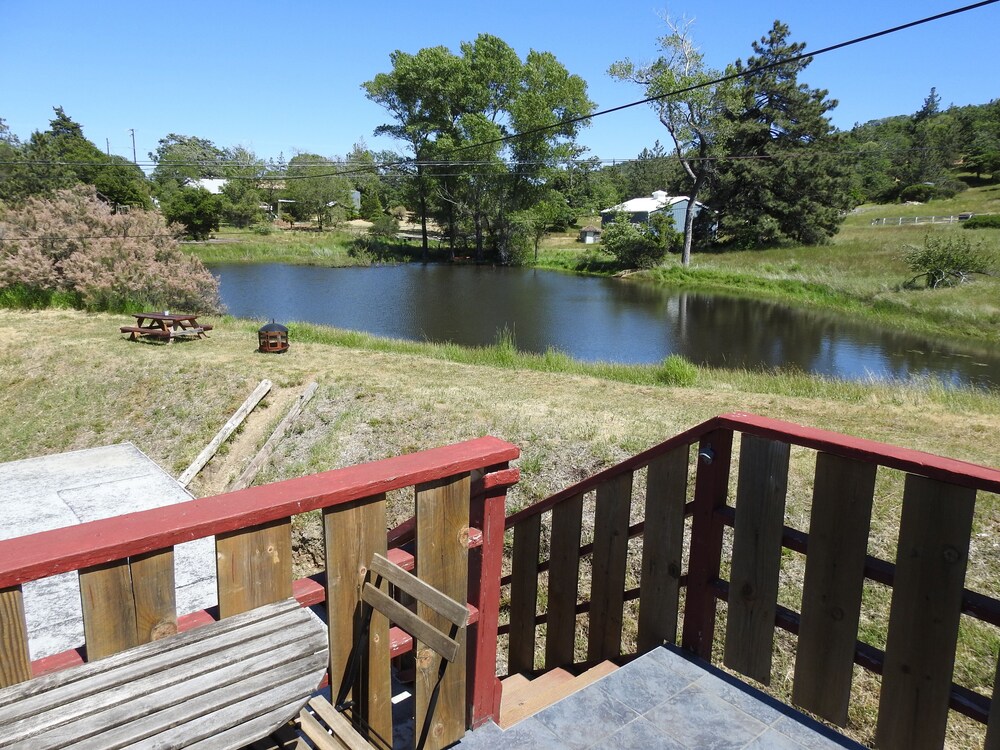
x: 692, y: 118
x: 183, y: 159
x: 783, y: 183
x: 241, y: 195
x: 484, y: 128
x: 318, y: 189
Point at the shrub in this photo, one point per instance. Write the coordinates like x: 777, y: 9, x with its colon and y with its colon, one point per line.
x: 639, y: 245
x: 71, y: 247
x: 946, y: 260
x: 196, y: 209
x: 675, y: 370
x: 989, y: 221
x: 920, y: 193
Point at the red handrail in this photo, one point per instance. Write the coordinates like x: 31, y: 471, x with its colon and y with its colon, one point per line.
x: 47, y: 553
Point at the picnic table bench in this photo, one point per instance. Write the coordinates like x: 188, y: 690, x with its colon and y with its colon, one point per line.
x: 220, y: 686
x: 165, y: 325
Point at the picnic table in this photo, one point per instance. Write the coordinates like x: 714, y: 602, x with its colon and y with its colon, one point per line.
x: 166, y: 326
x: 217, y: 687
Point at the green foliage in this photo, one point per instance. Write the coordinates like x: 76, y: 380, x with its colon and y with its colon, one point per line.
x: 196, y: 209
x: 371, y: 206
x: 794, y: 190
x: 946, y: 260
x: 317, y: 188
x: 920, y: 193
x: 384, y: 227
x: 676, y: 370
x: 639, y: 245
x: 440, y: 101
x: 982, y: 221
x: 184, y: 159
x: 72, y: 249
x: 241, y: 195
x: 695, y: 120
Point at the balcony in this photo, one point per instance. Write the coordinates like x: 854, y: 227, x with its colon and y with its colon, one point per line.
x: 804, y: 605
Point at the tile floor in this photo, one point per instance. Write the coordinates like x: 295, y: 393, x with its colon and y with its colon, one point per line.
x: 666, y: 700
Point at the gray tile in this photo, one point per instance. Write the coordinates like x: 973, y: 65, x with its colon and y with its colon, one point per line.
x: 772, y: 740
x: 643, y: 683
x: 813, y: 735
x: 700, y: 719
x: 638, y: 733
x: 585, y: 717
x: 486, y: 736
x: 747, y: 699
x: 672, y: 659
x: 525, y: 735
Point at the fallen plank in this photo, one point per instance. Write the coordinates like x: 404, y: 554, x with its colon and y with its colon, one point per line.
x: 258, y: 461
x: 227, y: 429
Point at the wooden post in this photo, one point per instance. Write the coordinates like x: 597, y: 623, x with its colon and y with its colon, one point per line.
x: 607, y: 588
x: 254, y: 566
x: 486, y: 513
x: 753, y: 582
x: 443, y: 562
x: 15, y: 664
x: 353, y: 533
x: 524, y: 594
x: 710, y: 492
x: 843, y: 489
x: 564, y: 582
x: 926, y: 608
x: 662, y: 549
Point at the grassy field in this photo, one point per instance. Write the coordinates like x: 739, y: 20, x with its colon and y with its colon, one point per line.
x: 861, y: 272
x: 77, y: 383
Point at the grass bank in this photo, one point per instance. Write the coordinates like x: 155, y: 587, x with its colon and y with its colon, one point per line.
x: 860, y: 273
x: 78, y: 383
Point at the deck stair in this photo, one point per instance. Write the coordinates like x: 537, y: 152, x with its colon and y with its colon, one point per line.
x: 524, y: 697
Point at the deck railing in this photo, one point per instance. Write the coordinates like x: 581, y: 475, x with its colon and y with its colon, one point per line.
x: 674, y: 552
x: 126, y: 570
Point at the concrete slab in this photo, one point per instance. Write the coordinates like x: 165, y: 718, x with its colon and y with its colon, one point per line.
x: 50, y: 492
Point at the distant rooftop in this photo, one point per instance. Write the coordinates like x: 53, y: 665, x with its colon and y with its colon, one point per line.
x: 648, y: 204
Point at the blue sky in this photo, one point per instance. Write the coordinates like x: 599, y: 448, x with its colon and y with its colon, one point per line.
x: 285, y: 76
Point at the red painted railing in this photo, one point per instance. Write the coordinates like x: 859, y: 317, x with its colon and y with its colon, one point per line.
x: 129, y: 558
x: 635, y: 592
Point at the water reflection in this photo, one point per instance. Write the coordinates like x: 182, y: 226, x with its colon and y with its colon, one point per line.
x: 591, y: 319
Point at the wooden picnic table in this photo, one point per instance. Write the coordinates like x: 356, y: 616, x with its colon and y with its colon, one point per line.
x: 217, y: 687
x: 166, y: 325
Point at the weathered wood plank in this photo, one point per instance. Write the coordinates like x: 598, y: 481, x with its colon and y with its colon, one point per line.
x: 454, y: 612
x: 564, y: 581
x: 341, y: 727
x: 227, y: 429
x: 662, y: 549
x: 354, y: 533
x: 154, y: 594
x: 524, y: 595
x: 843, y: 489
x: 442, y: 561
x: 254, y: 566
x: 65, y: 713
x: 711, y: 490
x: 931, y: 559
x: 753, y: 588
x: 108, y: 609
x: 178, y: 690
x: 15, y: 662
x: 408, y: 621
x: 607, y: 589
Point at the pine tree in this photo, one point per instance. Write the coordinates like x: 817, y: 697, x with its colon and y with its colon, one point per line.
x: 780, y: 183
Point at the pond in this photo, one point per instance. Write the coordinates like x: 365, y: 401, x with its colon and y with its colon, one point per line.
x: 592, y: 319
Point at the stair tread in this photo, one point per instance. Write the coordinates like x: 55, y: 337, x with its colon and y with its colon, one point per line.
x: 528, y: 699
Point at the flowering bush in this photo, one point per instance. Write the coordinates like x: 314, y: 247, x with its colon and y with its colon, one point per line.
x: 72, y: 244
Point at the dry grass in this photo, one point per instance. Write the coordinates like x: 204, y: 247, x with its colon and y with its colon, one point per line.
x: 71, y: 381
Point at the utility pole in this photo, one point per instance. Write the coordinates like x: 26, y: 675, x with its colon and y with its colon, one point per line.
x: 132, y: 131
x: 107, y: 147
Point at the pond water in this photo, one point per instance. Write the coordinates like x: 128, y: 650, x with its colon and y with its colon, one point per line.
x: 591, y: 319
